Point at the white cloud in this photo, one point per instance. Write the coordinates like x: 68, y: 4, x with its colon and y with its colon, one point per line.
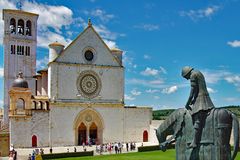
x: 146, y: 56
x: 129, y: 97
x: 213, y: 76
x: 232, y: 99
x: 211, y: 90
x: 134, y: 92
x: 128, y: 61
x: 1, y: 72
x: 168, y: 107
x: 47, y: 37
x: 51, y: 22
x: 153, y: 72
x: 235, y: 80
x: 105, y: 33
x: 108, y: 37
x: 50, y: 16
x: 101, y: 14
x: 150, y: 72
x: 42, y: 63
x: 1, y: 104
x: 200, y: 13
x: 234, y: 43
x: 147, y: 27
x: 163, y: 70
x: 55, y: 20
x: 152, y: 91
x: 170, y: 90
x: 110, y: 44
x: 158, y: 83
x: 156, y: 97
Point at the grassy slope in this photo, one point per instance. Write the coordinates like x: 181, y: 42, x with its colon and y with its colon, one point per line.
x: 162, y: 114
x: 154, y: 155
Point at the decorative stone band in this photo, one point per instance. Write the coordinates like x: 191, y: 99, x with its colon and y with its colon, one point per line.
x: 89, y: 84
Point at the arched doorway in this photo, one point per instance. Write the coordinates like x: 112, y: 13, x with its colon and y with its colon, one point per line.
x: 93, y: 126
x: 93, y: 133
x: 145, y: 136
x: 82, y: 134
x: 34, y: 141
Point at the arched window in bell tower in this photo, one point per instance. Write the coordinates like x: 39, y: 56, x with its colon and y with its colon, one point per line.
x: 21, y: 27
x: 29, y: 28
x: 12, y: 26
x: 20, y: 104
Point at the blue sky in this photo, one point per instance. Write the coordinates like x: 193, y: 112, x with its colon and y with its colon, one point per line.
x: 158, y: 38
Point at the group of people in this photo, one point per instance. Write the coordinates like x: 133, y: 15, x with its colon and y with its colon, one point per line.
x: 117, y: 147
x: 13, y: 155
x: 35, y: 152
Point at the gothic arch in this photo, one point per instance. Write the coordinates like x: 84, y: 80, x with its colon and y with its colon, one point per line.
x: 21, y: 27
x: 20, y: 104
x: 29, y: 28
x: 89, y: 116
x: 12, y: 25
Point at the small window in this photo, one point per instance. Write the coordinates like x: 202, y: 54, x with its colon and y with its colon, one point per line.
x: 12, y: 26
x: 18, y: 50
x: 21, y: 27
x: 27, y: 51
x: 89, y: 55
x: 13, y: 49
x: 22, y: 50
x: 29, y: 28
x: 34, y: 105
x: 20, y: 104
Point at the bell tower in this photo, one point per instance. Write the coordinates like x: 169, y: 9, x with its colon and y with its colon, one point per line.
x: 20, y: 42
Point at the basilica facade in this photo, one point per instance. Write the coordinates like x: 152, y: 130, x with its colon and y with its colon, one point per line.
x: 78, y: 98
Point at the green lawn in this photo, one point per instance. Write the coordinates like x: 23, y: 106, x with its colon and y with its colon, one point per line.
x: 154, y: 155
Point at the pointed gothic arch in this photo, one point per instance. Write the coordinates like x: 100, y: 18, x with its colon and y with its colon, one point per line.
x: 29, y: 28
x: 94, y: 126
x: 12, y: 26
x: 21, y: 27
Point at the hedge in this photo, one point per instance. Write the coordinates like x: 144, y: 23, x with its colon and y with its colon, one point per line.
x: 153, y: 148
x: 65, y: 155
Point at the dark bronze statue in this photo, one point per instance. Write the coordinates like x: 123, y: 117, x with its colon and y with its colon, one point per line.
x: 200, y: 101
x: 200, y: 131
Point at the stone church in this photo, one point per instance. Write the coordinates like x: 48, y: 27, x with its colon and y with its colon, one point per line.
x: 78, y: 98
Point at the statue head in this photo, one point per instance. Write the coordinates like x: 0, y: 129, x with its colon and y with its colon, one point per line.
x: 186, y: 72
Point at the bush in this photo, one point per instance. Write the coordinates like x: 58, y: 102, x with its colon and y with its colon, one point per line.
x: 153, y: 148
x: 148, y: 148
x: 65, y: 155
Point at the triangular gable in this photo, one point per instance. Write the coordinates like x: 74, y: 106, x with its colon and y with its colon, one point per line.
x: 74, y: 53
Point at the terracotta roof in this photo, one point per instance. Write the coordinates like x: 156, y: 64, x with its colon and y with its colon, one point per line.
x: 42, y: 70
x: 56, y: 44
x: 116, y: 50
x: 37, y: 75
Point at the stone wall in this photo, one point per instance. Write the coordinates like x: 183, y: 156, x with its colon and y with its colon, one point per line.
x: 136, y: 121
x: 4, y: 144
x: 22, y: 130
